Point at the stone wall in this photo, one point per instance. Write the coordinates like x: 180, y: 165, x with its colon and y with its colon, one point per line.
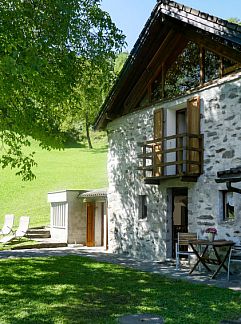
x: 150, y: 238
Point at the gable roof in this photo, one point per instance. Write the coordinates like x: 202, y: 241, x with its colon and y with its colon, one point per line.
x: 169, y: 21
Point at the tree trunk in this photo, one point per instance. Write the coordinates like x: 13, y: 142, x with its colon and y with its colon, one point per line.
x: 87, y: 127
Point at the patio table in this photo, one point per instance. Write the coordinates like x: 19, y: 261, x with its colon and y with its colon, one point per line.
x: 204, y: 258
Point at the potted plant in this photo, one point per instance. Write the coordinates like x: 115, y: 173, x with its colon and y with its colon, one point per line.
x: 211, y: 232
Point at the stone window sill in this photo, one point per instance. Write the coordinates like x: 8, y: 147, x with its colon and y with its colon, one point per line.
x: 227, y: 222
x: 142, y: 220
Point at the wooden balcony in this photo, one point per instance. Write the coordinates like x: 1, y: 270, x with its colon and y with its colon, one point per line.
x: 177, y: 156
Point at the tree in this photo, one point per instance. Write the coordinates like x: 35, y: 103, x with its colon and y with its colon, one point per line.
x: 235, y: 20
x: 87, y: 100
x: 120, y: 61
x: 48, y: 50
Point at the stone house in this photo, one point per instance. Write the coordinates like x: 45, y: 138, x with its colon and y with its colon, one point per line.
x: 173, y: 120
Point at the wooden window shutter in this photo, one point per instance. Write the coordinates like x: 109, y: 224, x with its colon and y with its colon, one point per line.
x: 193, y: 127
x: 159, y: 145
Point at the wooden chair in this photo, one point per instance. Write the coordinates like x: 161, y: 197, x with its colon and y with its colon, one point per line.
x: 182, y: 241
x: 234, y: 256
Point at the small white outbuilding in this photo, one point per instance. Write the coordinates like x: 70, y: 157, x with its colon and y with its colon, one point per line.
x: 79, y: 217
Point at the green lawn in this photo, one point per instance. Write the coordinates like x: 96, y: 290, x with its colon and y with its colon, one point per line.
x: 73, y: 168
x: 73, y: 289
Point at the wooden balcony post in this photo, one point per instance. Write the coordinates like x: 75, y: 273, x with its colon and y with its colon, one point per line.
x: 144, y: 160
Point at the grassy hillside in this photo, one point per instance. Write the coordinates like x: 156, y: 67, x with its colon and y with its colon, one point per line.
x: 74, y: 168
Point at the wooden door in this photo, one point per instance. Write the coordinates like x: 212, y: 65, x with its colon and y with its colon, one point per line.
x: 102, y: 215
x: 158, y: 136
x: 90, y: 235
x: 193, y: 127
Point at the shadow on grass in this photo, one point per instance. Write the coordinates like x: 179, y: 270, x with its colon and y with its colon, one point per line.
x: 100, y: 149
x: 74, y: 144
x: 79, y: 290
x: 15, y: 244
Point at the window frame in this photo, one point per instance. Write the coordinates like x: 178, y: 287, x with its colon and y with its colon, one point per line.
x: 143, y: 210
x: 225, y: 207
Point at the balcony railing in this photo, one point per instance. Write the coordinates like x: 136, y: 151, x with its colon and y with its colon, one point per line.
x: 172, y: 156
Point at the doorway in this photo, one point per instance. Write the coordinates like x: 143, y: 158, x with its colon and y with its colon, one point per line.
x: 96, y: 224
x: 90, y: 230
x: 179, y: 214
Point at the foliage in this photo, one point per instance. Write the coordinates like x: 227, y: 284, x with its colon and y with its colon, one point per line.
x: 120, y: 61
x: 86, y: 101
x: 48, y: 49
x: 235, y: 20
x: 74, y: 289
x: 76, y: 167
x: 184, y: 72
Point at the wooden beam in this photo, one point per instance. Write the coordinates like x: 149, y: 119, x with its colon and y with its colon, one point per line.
x: 202, y: 65
x: 211, y: 44
x: 158, y: 180
x: 154, y: 67
x: 163, y: 80
x: 221, y: 68
x: 142, y: 56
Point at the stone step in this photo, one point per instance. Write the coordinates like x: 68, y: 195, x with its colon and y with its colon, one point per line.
x: 42, y: 245
x: 38, y: 233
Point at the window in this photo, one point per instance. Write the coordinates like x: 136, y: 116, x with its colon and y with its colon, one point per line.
x: 184, y: 73
x: 228, y: 205
x: 59, y: 213
x: 142, y: 207
x: 212, y: 64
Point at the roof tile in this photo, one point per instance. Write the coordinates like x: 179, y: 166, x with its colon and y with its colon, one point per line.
x: 203, y: 15
x: 195, y: 12
x: 212, y: 18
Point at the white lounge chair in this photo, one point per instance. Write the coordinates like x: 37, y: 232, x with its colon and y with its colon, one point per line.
x: 19, y: 233
x: 8, y: 224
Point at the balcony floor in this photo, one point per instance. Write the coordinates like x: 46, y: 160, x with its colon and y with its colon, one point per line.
x: 158, y: 179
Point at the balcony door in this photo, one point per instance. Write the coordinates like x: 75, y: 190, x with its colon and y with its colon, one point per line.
x: 181, y: 142
x: 179, y: 214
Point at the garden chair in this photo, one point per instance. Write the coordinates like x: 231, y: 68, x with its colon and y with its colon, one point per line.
x: 8, y: 224
x: 19, y: 233
x: 234, y: 256
x: 182, y: 246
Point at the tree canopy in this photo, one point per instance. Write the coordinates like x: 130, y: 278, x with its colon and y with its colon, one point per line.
x: 49, y: 48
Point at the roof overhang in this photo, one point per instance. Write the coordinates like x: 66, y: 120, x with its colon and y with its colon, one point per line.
x: 230, y: 176
x: 97, y: 193
x: 168, y: 16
